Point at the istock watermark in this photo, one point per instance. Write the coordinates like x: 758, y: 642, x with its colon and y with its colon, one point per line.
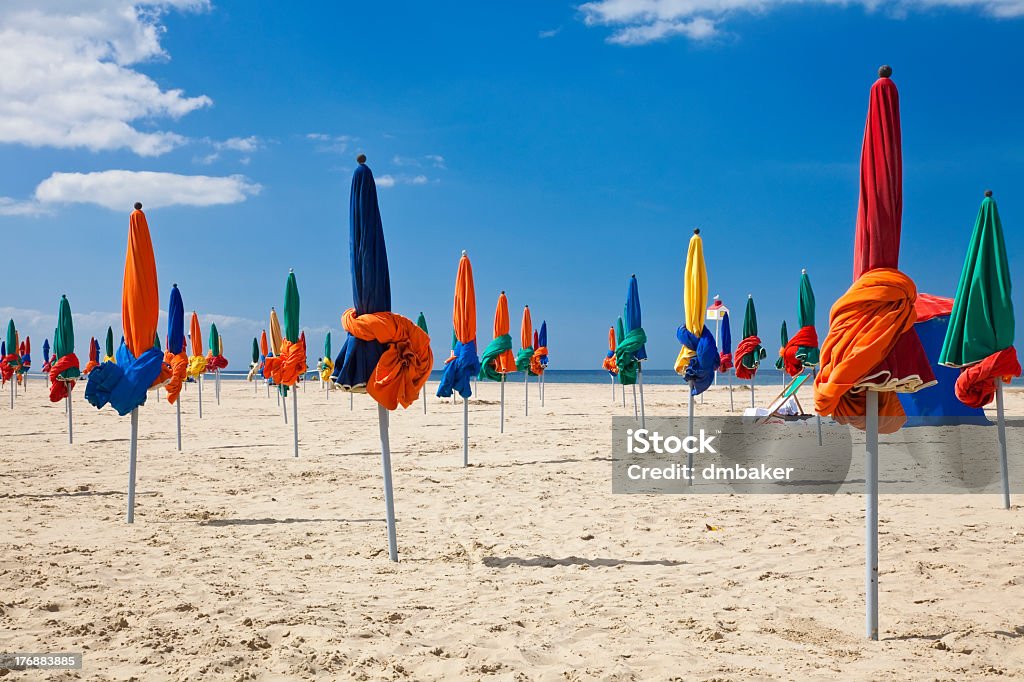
x: 730, y: 454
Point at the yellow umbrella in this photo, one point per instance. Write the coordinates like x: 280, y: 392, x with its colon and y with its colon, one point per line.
x: 275, y: 333
x: 695, y: 298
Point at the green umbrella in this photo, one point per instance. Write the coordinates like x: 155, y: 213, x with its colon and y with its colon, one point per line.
x: 156, y: 341
x: 421, y: 322
x: 64, y: 337
x: 256, y: 349
x: 327, y: 343
x: 982, y: 319
x: 809, y: 355
x: 620, y: 331
x: 291, y: 309
x: 12, y: 338
x: 784, y: 338
x: 214, y: 342
x: 750, y: 360
x: 981, y: 324
x: 110, y: 342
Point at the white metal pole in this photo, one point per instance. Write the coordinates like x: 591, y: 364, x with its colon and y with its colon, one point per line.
x: 71, y: 427
x: 636, y: 407
x: 871, y: 514
x: 284, y: 404
x: 526, y: 387
x: 465, y: 431
x: 542, y: 390
x: 424, y: 398
x: 132, y: 454
x: 689, y: 455
x: 351, y: 403
x: 501, y: 419
x: 732, y: 408
x: 623, y: 395
x: 814, y: 376
x: 295, y: 418
x: 1001, y: 427
x: 640, y: 380
x: 177, y: 405
x: 389, y: 493
x: 199, y: 380
x: 613, y: 388
x: 752, y: 403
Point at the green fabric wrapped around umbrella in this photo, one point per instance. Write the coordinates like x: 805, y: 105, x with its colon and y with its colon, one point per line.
x: 421, y: 322
x: 291, y: 309
x: 64, y: 338
x: 982, y: 322
x: 808, y: 355
x: 625, y: 355
x: 496, y: 348
x: 523, y: 357
x: 784, y: 338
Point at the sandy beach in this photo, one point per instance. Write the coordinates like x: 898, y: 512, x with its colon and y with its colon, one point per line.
x: 245, y: 563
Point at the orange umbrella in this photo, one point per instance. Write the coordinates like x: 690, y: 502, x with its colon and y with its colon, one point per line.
x: 525, y: 354
x: 464, y: 363
x: 140, y: 297
x: 196, y: 361
x: 505, y: 363
x: 264, y: 348
x: 497, y: 360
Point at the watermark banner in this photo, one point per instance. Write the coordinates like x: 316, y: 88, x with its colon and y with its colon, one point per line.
x: 732, y: 454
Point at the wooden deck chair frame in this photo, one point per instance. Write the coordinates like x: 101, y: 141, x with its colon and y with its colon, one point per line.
x: 789, y: 392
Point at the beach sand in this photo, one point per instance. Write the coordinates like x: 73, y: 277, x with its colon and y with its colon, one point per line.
x: 245, y: 563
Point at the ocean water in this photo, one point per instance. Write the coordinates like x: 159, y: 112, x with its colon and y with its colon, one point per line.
x: 654, y: 377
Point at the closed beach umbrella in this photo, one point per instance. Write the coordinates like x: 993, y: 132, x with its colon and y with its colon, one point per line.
x: 872, y: 350
x: 176, y: 355
x: 784, y: 340
x: 264, y: 344
x: 65, y: 367
x: 385, y: 355
x: 45, y: 369
x: 631, y: 350
x: 979, y: 337
x: 274, y: 326
x: 525, y: 354
x: 498, y: 360
x: 698, y: 358
x: 464, y: 363
x: 215, y: 360
x: 749, y: 351
x: 806, y: 337
x: 539, y: 361
x: 94, y: 356
x: 108, y: 355
x: 196, y: 360
x: 289, y: 364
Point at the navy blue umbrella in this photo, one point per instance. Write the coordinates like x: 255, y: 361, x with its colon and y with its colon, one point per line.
x: 46, y: 351
x: 633, y: 314
x: 175, y: 323
x: 542, y: 340
x: 371, y: 281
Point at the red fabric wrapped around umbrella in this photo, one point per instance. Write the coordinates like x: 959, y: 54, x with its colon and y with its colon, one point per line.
x: 805, y: 337
x: 976, y: 386
x: 747, y: 345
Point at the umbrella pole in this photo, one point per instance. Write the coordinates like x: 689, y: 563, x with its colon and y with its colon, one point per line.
x: 636, y: 409
x: 689, y: 454
x: 613, y: 389
x: 424, y: 398
x: 623, y: 395
x: 501, y: 419
x: 465, y: 431
x: 814, y: 376
x: 177, y: 405
x: 295, y: 419
x: 268, y: 389
x: 871, y: 514
x: 1001, y: 425
x: 284, y: 403
x: 216, y: 385
x: 14, y: 380
x: 71, y: 427
x: 526, y: 386
x: 132, y: 454
x: 199, y: 380
x: 752, y: 403
x: 732, y: 408
x: 389, y: 493
x: 640, y: 380
x: 351, y: 403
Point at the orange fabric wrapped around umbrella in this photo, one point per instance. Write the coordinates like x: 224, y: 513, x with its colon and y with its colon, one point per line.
x: 405, y: 365
x: 285, y: 368
x: 867, y: 323
x: 609, y: 360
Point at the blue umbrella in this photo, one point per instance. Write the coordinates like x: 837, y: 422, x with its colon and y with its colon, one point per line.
x: 542, y: 340
x: 46, y: 351
x: 633, y: 315
x: 176, y: 323
x: 726, y: 355
x: 371, y: 281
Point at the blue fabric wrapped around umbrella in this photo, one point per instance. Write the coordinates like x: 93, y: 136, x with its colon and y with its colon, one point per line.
x: 371, y: 281
x: 459, y: 370
x: 124, y: 385
x: 700, y: 371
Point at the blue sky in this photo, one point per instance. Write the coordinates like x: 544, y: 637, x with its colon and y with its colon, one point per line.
x: 564, y: 146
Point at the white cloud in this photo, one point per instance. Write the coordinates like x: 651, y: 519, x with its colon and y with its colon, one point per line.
x: 550, y: 33
x: 13, y: 207
x: 245, y: 145
x: 119, y: 189
x: 67, y: 78
x: 418, y: 180
x: 638, y: 22
x: 437, y: 160
x: 331, y: 143
x: 385, y: 181
x: 388, y: 180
